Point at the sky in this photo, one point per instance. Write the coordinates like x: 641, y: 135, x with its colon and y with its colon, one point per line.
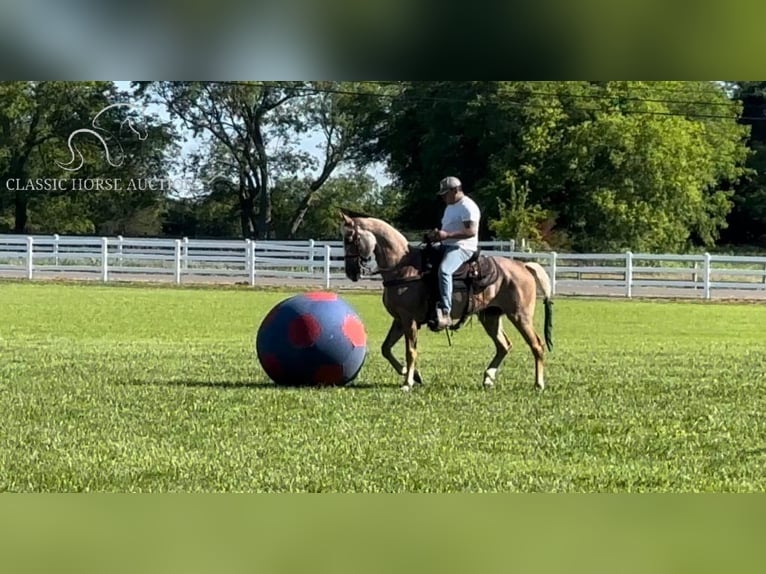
x: 310, y: 143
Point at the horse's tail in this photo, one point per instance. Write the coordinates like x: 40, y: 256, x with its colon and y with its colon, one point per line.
x: 544, y: 282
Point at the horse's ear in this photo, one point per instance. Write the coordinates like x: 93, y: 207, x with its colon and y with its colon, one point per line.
x: 346, y: 219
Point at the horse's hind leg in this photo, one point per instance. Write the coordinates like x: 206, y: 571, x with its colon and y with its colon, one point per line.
x: 411, y: 341
x: 395, y: 332
x: 524, y: 324
x: 492, y: 323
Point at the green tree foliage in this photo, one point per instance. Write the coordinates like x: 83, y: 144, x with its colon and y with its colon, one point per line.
x: 39, y: 121
x: 518, y: 219
x: 254, y: 130
x: 647, y: 166
x: 355, y: 190
x: 639, y: 165
x: 643, y: 183
x: 437, y: 129
x: 747, y: 221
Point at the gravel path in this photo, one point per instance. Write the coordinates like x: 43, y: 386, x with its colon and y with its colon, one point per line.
x: 571, y: 288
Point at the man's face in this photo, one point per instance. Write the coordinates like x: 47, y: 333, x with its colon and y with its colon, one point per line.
x: 450, y: 196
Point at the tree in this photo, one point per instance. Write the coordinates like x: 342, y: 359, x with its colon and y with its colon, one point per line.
x: 653, y: 171
x: 639, y: 165
x: 234, y: 117
x: 356, y: 190
x: 349, y: 115
x: 30, y: 116
x: 252, y: 130
x: 518, y: 220
x: 48, y: 132
x: 437, y: 129
x: 747, y: 220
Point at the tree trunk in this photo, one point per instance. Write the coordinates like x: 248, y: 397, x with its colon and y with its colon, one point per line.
x: 20, y: 215
x: 21, y: 197
x: 303, y: 208
x: 18, y: 166
x: 263, y: 222
x: 246, y: 207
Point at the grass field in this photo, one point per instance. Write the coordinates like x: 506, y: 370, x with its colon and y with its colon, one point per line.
x: 135, y: 389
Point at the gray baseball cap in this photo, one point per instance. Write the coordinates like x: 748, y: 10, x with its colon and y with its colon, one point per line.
x: 448, y: 184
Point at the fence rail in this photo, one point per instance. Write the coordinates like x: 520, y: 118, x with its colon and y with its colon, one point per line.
x: 125, y: 258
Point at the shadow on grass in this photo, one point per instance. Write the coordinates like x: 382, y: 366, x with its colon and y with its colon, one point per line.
x: 752, y: 452
x: 227, y: 385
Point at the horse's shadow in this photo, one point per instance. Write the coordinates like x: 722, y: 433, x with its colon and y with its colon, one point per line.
x: 240, y: 385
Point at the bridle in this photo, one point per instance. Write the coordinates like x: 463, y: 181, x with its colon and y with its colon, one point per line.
x: 352, y: 252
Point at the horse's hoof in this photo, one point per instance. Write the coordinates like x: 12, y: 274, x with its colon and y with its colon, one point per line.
x: 406, y: 388
x: 418, y: 380
x: 489, y: 378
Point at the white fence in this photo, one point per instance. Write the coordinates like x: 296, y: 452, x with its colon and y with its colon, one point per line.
x: 122, y: 258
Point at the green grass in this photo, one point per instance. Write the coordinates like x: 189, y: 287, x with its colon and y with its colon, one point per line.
x: 135, y: 389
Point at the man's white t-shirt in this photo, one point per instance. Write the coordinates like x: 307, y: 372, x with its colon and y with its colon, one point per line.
x: 453, y: 220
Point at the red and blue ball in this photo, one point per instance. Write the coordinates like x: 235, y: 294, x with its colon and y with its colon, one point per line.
x: 312, y: 339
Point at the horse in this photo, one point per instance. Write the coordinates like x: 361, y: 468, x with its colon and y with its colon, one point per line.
x: 487, y: 287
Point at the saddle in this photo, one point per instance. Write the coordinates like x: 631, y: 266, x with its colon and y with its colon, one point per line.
x: 473, y: 277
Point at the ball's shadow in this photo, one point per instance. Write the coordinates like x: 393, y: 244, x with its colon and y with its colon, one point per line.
x: 239, y: 385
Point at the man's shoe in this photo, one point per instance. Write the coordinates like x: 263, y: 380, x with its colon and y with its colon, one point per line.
x: 443, y: 319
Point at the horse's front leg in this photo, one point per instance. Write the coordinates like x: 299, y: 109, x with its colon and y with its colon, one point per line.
x: 395, y: 332
x: 411, y: 341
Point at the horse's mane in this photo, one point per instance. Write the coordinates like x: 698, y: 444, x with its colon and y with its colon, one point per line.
x: 377, y: 222
x: 354, y: 214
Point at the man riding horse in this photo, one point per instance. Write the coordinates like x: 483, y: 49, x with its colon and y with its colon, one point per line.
x: 507, y: 287
x: 459, y: 236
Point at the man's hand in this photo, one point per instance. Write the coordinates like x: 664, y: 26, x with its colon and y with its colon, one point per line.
x: 437, y: 235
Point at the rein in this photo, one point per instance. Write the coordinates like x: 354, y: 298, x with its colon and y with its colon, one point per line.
x: 396, y: 281
x: 353, y: 253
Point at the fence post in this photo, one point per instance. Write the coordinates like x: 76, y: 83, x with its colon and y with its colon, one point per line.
x: 56, y: 238
x: 764, y: 273
x: 695, y: 274
x: 553, y: 272
x: 327, y: 266
x: 30, y: 255
x: 119, y: 250
x: 311, y: 256
x: 177, y: 262
x: 706, y: 276
x: 251, y: 262
x: 186, y: 253
x: 104, y: 259
x: 629, y: 274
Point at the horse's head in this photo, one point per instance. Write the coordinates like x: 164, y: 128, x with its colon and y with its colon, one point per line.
x: 140, y: 113
x: 358, y: 246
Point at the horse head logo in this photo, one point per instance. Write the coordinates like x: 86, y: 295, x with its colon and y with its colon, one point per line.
x: 99, y: 135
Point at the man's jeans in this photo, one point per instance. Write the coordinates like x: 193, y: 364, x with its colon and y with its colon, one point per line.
x: 454, y: 257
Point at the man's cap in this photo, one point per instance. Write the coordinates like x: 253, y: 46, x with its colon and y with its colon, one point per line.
x: 448, y: 184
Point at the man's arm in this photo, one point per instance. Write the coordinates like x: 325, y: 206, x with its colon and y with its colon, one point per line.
x: 468, y: 231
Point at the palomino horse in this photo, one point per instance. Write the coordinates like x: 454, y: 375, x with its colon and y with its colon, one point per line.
x: 504, y: 287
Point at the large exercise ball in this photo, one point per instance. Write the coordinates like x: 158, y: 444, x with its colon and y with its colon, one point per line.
x: 312, y: 339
